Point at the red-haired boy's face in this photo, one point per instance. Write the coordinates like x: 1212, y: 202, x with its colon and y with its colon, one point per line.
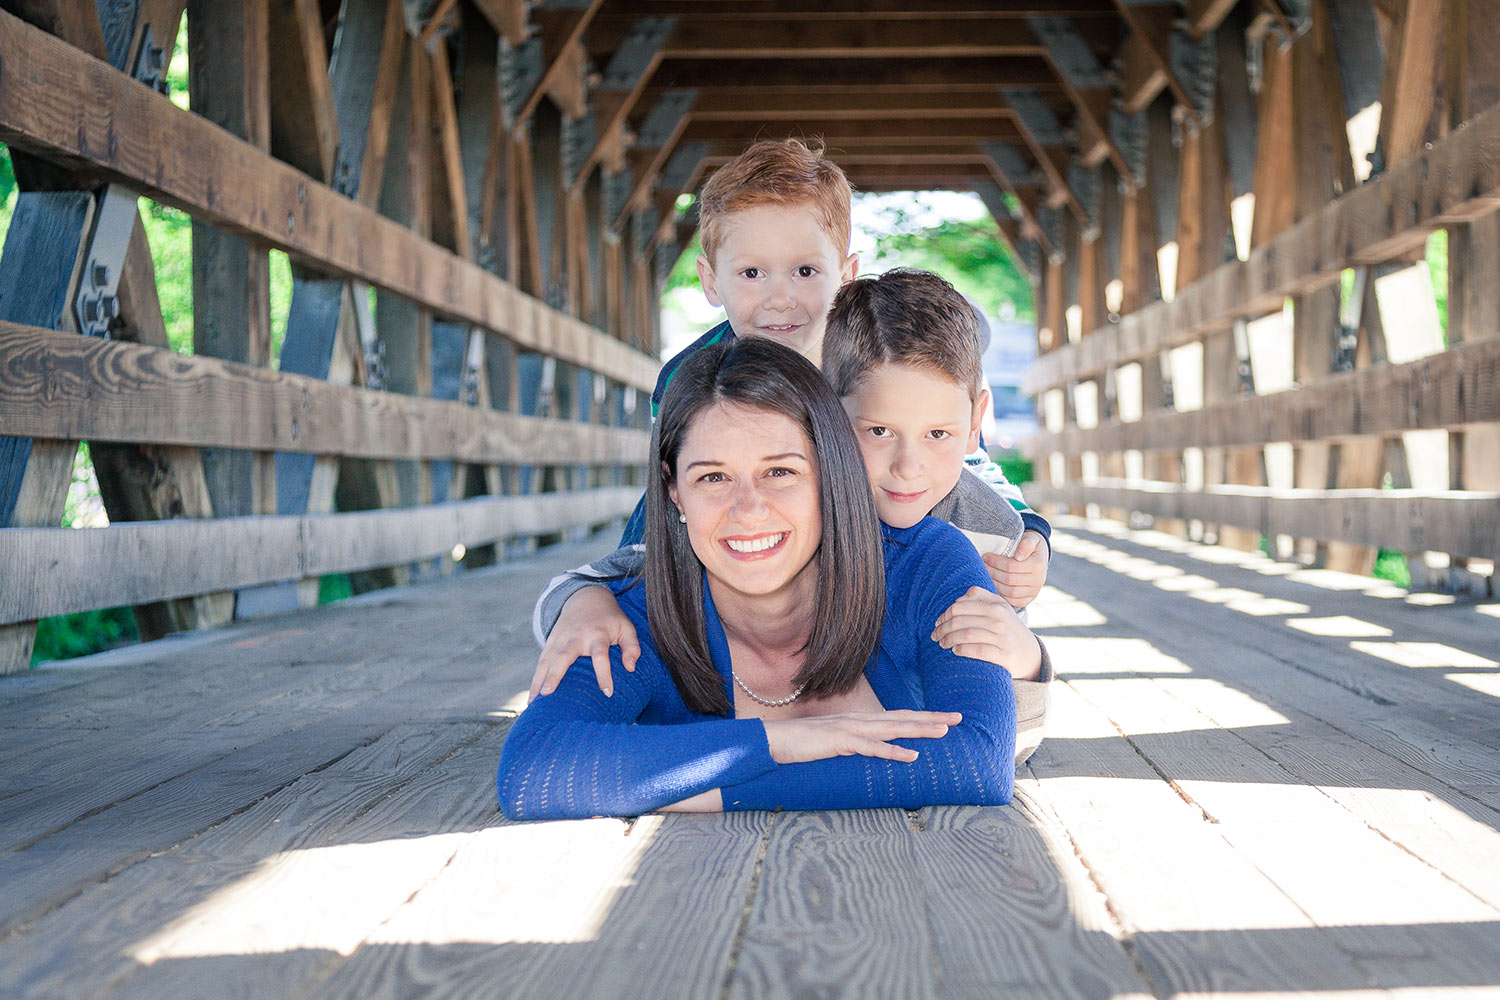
x: 776, y: 273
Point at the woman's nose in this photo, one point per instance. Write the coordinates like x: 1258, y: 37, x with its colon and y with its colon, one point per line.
x: 749, y: 504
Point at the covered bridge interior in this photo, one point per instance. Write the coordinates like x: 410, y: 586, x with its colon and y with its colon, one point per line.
x: 1264, y: 242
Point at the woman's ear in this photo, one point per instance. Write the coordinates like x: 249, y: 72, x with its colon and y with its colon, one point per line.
x: 666, y: 474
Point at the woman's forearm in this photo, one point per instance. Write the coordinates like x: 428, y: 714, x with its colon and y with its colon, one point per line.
x: 575, y: 753
x: 971, y: 765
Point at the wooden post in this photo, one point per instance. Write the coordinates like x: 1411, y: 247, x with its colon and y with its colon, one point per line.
x: 228, y: 84
x: 38, y: 276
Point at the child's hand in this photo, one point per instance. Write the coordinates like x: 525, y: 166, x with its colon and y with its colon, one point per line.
x: 1019, y: 578
x: 984, y: 626
x: 590, y: 623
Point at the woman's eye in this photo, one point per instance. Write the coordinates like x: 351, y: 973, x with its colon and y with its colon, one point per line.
x: 780, y: 472
x: 711, y: 477
x: 806, y: 271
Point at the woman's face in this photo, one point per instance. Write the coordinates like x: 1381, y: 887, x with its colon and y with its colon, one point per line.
x: 747, y: 481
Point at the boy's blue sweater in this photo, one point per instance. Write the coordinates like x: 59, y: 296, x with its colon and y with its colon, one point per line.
x: 576, y: 753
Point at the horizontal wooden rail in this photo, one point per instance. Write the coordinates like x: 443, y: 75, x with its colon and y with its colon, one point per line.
x: 1459, y: 386
x: 1462, y: 523
x: 58, y: 102
x: 61, y: 385
x: 146, y: 561
x: 1457, y: 180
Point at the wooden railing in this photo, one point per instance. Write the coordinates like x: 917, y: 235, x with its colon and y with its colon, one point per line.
x: 1098, y: 449
x: 536, y: 431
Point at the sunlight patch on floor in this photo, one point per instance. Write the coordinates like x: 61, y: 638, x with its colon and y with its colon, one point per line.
x: 1423, y: 654
x: 508, y: 883
x: 1493, y: 610
x: 1073, y: 656
x: 1340, y: 626
x: 1054, y: 608
x: 549, y: 883
x: 328, y: 898
x: 1483, y: 683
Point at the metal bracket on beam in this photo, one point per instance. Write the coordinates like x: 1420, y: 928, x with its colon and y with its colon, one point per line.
x: 151, y: 63
x: 96, y: 305
x: 617, y: 187
x: 1128, y: 132
x: 1036, y: 116
x: 636, y: 52
x: 370, y: 344
x: 1011, y: 164
x: 578, y: 138
x: 1085, y: 183
x: 1071, y: 54
x: 468, y: 389
x: 667, y: 252
x: 643, y: 227
x: 520, y: 69
x: 1196, y: 64
x: 1051, y: 222
x: 661, y: 121
x: 680, y: 166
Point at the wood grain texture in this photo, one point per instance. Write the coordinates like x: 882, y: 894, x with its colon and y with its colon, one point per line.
x: 114, y: 391
x: 282, y: 208
x: 1013, y: 911
x: 111, y: 566
x: 1447, y: 390
x: 840, y: 908
x: 1455, y: 180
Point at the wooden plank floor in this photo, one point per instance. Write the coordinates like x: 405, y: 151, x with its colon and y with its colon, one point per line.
x: 1257, y: 782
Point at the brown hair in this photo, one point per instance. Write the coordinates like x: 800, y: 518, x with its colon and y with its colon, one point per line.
x: 850, y: 603
x: 905, y: 316
x: 777, y: 172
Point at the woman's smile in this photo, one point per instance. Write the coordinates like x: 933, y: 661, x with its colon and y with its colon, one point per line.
x: 757, y: 546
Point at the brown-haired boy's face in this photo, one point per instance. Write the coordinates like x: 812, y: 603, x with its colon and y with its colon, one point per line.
x: 914, y: 427
x: 776, y: 273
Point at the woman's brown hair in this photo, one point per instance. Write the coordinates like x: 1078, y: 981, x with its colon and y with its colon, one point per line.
x: 761, y: 374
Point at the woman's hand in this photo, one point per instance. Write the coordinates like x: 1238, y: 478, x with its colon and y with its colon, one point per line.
x: 591, y: 621
x: 984, y: 626
x: 1019, y: 578
x: 794, y: 741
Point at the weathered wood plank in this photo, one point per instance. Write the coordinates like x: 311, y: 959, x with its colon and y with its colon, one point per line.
x: 283, y: 208
x: 115, y: 391
x: 840, y: 908
x: 1447, y: 390
x: 104, y: 568
x: 1012, y: 909
x: 1464, y: 523
x: 469, y: 929
x: 1456, y: 180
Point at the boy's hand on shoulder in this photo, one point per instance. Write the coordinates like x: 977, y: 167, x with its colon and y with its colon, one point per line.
x: 984, y: 626
x: 591, y: 622
x: 1019, y: 578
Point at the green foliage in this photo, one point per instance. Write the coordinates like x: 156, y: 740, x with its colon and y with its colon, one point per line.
x: 966, y: 252
x: 1437, y: 264
x: 334, y: 587
x: 67, y: 636
x: 1017, y: 468
x: 1392, y: 566
x: 685, y: 271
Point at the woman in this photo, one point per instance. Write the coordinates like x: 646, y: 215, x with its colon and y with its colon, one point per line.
x: 788, y: 659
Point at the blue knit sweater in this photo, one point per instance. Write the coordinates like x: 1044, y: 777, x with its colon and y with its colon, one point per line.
x: 576, y: 753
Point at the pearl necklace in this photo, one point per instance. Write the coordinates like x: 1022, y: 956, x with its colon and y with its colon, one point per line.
x: 770, y: 702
